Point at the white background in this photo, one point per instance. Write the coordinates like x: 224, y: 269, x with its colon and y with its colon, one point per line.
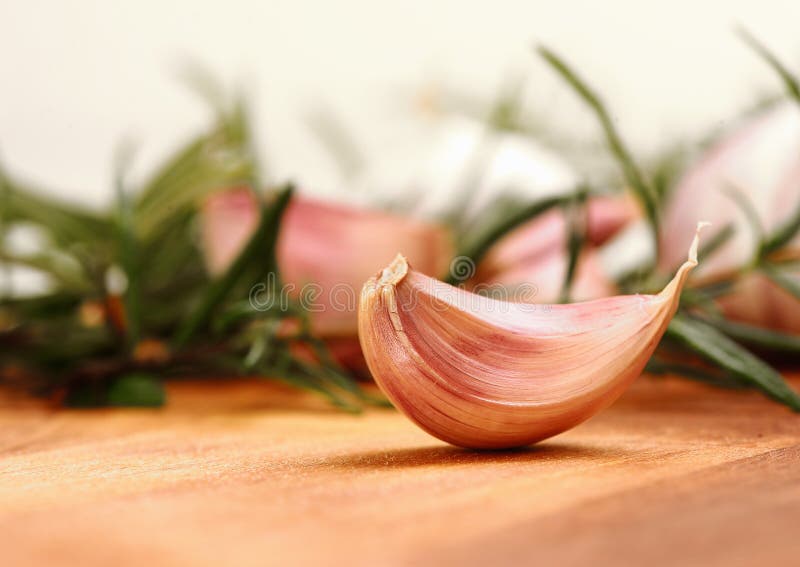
x: 78, y: 76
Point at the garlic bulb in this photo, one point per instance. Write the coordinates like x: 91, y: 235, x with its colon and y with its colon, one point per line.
x: 482, y: 373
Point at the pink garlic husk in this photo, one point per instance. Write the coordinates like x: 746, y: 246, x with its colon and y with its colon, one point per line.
x: 332, y: 247
x: 761, y: 159
x: 535, y: 254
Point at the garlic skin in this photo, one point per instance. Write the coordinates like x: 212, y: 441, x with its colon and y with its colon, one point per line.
x: 486, y: 374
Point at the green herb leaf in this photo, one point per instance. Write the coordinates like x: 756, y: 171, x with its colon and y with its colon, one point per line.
x: 643, y: 191
x: 259, y: 249
x: 790, y: 82
x: 502, y: 218
x: 715, y: 347
x: 218, y: 159
x: 128, y: 248
x: 697, y: 373
x: 788, y: 282
x: 576, y: 215
x: 136, y: 390
x: 758, y: 336
x: 783, y: 234
x: 716, y: 241
x: 741, y: 200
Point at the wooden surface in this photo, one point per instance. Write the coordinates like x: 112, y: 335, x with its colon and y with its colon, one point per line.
x: 673, y: 473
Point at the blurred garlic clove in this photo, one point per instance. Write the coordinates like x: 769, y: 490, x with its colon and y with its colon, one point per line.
x: 757, y: 300
x: 482, y: 373
x: 608, y: 214
x: 536, y: 253
x: 540, y: 278
x: 228, y: 218
x: 461, y: 163
x: 323, y: 248
x: 761, y: 158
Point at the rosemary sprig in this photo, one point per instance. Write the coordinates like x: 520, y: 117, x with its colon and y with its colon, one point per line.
x: 498, y: 221
x: 705, y: 375
x: 783, y: 235
x: 260, y: 247
x: 60, y: 338
x: 790, y: 82
x: 128, y: 254
x: 576, y: 226
x: 768, y: 339
x: 641, y: 188
x: 726, y: 354
x: 717, y: 240
x: 782, y: 279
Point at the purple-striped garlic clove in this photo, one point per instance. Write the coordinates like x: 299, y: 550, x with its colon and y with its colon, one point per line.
x: 482, y: 373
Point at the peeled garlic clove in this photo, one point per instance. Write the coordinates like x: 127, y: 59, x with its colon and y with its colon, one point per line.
x: 482, y: 373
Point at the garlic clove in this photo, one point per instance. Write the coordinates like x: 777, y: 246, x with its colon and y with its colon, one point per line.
x: 761, y: 158
x: 536, y: 253
x: 482, y: 373
x: 544, y: 276
x: 325, y: 249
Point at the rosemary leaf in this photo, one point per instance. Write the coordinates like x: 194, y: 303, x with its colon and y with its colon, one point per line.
x: 259, y: 248
x: 716, y: 241
x: 576, y: 214
x: 65, y: 223
x: 128, y: 257
x: 643, y: 191
x: 741, y: 200
x: 790, y: 82
x: 217, y: 159
x: 659, y: 367
x: 712, y: 345
x: 758, y: 336
x: 782, y: 279
x: 502, y: 219
x: 782, y: 235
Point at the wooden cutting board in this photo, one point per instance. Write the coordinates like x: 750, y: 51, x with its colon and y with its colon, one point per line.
x: 253, y: 474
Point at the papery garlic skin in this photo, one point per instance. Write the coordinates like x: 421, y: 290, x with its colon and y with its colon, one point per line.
x: 487, y: 374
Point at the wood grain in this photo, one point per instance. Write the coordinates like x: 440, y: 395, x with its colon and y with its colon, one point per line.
x: 252, y: 474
